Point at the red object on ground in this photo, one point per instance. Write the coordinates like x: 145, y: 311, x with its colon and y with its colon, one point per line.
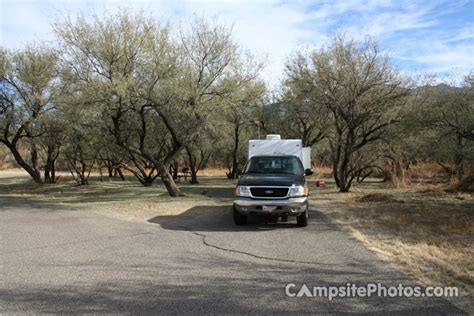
x: 321, y: 184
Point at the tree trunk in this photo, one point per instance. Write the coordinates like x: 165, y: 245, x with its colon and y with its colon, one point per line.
x: 101, y: 177
x: 120, y: 173
x: 344, y: 183
x: 193, y: 168
x: 82, y: 174
x: 343, y: 173
x: 110, y: 169
x: 335, y: 156
x: 34, y: 156
x: 168, y: 181
x: 399, y: 171
x: 53, y: 172
x: 175, y: 169
x: 459, y: 159
x: 79, y: 169
x: 233, y: 171
x: 32, y: 170
x: 147, y: 181
x: 47, y: 171
x: 194, y: 179
x: 52, y: 153
x: 335, y: 174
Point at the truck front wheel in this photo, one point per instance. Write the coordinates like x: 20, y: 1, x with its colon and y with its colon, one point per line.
x: 302, y: 220
x: 239, y: 219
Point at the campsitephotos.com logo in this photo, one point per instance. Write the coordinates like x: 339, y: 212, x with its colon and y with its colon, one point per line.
x: 368, y: 290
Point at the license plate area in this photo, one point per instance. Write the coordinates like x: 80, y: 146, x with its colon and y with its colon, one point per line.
x: 268, y: 208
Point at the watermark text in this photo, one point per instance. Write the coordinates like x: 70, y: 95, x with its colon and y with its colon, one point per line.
x: 368, y: 290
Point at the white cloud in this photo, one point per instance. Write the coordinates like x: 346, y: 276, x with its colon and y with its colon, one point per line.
x: 272, y: 29
x: 463, y: 34
x: 441, y: 58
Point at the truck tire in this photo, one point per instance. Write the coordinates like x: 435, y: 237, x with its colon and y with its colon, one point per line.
x: 302, y: 220
x: 239, y: 219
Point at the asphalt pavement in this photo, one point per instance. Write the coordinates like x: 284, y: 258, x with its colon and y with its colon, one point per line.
x: 54, y: 260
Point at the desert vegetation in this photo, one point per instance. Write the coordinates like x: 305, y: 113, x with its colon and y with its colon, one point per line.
x: 126, y: 94
x: 424, y: 230
x: 125, y: 111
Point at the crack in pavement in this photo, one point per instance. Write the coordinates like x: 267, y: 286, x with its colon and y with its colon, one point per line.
x: 206, y: 243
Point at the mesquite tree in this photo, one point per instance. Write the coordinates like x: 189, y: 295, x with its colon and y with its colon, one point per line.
x: 361, y: 93
x: 448, y: 116
x: 239, y: 116
x: 153, y: 91
x: 106, y: 65
x: 26, y: 82
x: 301, y: 112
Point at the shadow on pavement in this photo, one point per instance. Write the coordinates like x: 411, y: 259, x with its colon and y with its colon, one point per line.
x: 219, y: 218
x: 212, y: 286
x: 15, y: 202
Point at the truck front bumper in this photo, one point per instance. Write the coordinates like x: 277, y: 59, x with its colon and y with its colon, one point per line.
x: 290, y: 206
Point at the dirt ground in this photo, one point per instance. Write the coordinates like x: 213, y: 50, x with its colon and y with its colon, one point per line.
x: 424, y: 231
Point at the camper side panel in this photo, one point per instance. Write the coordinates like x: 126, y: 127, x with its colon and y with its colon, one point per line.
x: 259, y: 147
x: 306, y: 158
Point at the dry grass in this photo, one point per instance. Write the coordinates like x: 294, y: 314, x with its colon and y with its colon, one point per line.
x: 422, y: 229
x: 465, y: 185
x: 425, y: 170
x: 430, y: 235
x: 378, y: 197
x: 125, y: 199
x: 213, y: 172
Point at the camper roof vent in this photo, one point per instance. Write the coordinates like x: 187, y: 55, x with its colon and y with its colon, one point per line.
x: 273, y: 136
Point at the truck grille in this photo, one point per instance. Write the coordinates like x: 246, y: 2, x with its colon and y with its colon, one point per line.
x: 269, y: 192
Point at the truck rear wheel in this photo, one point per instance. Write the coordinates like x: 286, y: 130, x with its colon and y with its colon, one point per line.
x: 302, y: 220
x: 239, y: 219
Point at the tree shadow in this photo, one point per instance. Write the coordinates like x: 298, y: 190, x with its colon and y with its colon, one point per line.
x: 15, y: 202
x: 214, y: 286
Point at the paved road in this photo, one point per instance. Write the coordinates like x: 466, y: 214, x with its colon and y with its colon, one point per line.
x: 56, y: 261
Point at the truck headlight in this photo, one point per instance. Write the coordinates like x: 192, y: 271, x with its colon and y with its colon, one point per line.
x: 298, y: 190
x: 242, y: 191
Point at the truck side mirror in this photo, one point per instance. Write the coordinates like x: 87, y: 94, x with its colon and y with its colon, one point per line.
x: 308, y: 172
x: 238, y: 171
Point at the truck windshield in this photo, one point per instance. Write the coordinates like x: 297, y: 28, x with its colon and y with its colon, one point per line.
x: 269, y: 164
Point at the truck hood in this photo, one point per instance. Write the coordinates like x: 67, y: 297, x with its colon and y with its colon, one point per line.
x: 271, y: 180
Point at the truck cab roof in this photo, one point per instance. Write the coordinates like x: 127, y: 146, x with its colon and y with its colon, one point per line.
x: 281, y: 170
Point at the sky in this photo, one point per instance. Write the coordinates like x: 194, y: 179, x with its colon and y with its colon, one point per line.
x: 429, y: 37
